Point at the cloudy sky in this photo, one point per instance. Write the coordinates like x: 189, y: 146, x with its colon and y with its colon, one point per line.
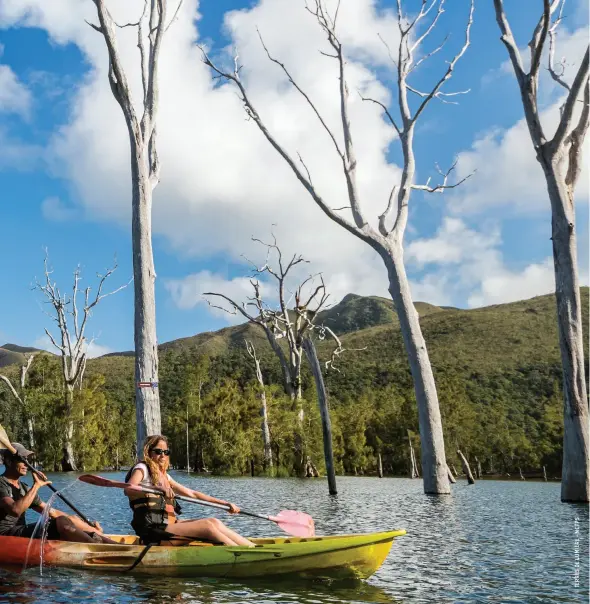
x: 65, y: 182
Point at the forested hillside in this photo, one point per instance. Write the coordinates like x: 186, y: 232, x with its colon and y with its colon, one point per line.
x: 497, y: 370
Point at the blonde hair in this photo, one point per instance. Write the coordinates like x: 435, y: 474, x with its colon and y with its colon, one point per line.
x: 153, y: 467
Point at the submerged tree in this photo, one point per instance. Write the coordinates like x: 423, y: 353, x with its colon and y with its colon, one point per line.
x: 387, y: 241
x: 71, y: 342
x: 145, y: 175
x: 560, y: 158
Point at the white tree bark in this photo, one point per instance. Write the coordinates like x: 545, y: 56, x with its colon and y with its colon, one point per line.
x: 466, y: 467
x: 388, y: 240
x: 263, y: 408
x: 561, y: 160
x: 145, y: 175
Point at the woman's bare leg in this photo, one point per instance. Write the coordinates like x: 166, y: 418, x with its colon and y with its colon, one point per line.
x: 235, y: 536
x: 208, y: 528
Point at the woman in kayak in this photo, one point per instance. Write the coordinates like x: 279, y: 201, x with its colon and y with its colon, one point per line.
x: 154, y: 516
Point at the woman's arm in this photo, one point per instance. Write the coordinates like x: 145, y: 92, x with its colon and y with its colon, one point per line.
x: 135, y: 478
x: 181, y: 490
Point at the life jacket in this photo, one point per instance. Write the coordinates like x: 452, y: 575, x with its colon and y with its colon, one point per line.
x: 150, y: 509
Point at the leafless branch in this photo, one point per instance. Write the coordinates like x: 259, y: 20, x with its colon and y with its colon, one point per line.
x: 449, y: 72
x: 551, y: 56
x: 253, y: 114
x: 304, y: 95
x: 441, y: 187
x: 383, y: 217
x: 580, y: 81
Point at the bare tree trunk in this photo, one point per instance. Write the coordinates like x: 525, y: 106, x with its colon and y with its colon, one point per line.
x: 466, y: 467
x: 478, y: 472
x: 575, y: 478
x: 413, y: 464
x: 188, y: 457
x: 561, y: 160
x: 379, y: 466
x: 147, y: 399
x: 68, y: 463
x: 141, y: 123
x: 452, y: 479
x: 520, y: 473
x: 31, y: 432
x: 263, y: 409
x: 434, y: 465
x: 316, y: 370
x: 544, y: 474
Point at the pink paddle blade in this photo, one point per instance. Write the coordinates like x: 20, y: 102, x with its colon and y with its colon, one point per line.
x: 295, y: 523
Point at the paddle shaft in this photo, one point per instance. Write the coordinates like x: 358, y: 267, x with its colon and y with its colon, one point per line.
x: 210, y: 504
x: 64, y: 499
x: 35, y: 471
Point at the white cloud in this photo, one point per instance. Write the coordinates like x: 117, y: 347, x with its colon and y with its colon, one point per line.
x: 461, y: 262
x: 54, y: 209
x: 14, y: 95
x: 188, y: 292
x: 98, y: 350
x: 507, y: 172
x: 93, y: 349
x: 221, y: 181
x: 502, y: 285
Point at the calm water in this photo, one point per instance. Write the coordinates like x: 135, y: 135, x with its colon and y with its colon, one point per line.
x: 492, y: 542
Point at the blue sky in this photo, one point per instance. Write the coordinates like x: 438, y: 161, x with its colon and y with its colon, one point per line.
x: 65, y: 183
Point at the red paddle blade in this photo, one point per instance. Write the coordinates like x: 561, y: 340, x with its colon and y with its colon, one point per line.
x: 295, y: 523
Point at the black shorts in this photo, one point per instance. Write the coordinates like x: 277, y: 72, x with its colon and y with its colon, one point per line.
x: 28, y: 531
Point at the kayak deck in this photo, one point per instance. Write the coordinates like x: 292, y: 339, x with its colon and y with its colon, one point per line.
x: 339, y: 556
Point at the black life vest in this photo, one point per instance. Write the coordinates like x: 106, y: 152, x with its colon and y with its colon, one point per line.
x: 149, y: 509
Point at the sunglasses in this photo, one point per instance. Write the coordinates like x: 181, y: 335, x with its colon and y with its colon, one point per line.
x: 161, y: 451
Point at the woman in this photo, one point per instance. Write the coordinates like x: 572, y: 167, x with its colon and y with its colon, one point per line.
x: 154, y: 516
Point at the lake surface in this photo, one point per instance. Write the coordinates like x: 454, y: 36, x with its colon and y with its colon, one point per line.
x: 493, y: 542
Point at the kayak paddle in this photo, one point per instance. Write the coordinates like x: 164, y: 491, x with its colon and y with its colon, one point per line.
x: 5, y: 442
x: 294, y: 523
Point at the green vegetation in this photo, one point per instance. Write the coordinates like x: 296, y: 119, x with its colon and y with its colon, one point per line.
x: 497, y: 370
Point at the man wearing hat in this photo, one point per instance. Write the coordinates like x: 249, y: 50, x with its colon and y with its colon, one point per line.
x: 17, y: 497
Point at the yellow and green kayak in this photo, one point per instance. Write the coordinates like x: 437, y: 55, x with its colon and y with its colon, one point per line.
x: 340, y: 556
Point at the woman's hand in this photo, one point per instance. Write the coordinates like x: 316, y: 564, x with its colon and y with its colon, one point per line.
x: 233, y: 508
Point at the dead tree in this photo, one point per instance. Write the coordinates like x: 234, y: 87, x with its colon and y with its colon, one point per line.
x: 277, y: 323
x: 283, y: 322
x: 71, y: 341
x: 413, y: 465
x: 478, y: 472
x: 379, y: 465
x: 387, y: 240
x: 561, y: 160
x: 452, y: 478
x: 316, y: 370
x: 544, y: 474
x: 21, y: 397
x: 145, y: 175
x: 263, y: 408
x: 466, y: 467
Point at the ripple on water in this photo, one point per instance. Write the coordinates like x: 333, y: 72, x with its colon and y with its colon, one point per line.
x: 493, y: 542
